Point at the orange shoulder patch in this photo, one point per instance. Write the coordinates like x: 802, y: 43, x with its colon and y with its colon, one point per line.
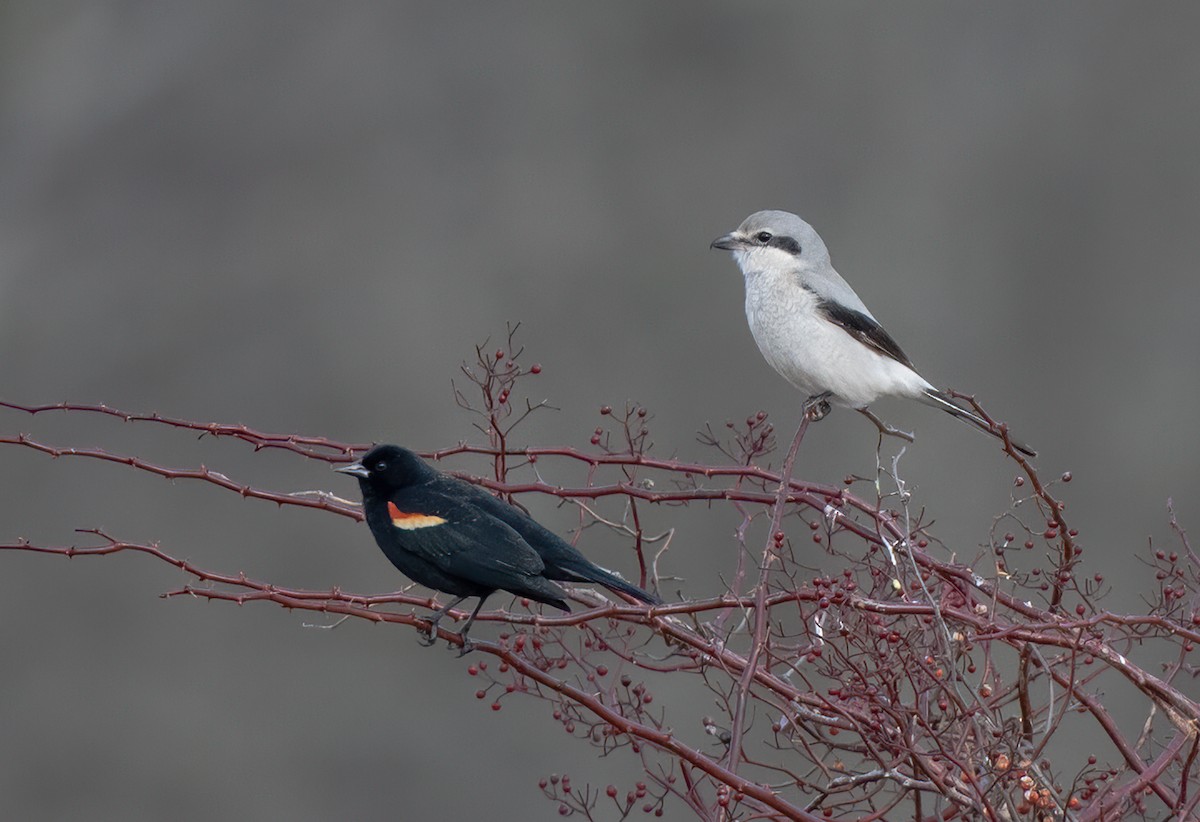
x: 410, y: 522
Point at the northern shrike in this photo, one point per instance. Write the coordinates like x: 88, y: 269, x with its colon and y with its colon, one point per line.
x: 814, y: 330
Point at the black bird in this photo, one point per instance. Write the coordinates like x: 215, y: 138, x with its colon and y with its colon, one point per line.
x: 455, y: 537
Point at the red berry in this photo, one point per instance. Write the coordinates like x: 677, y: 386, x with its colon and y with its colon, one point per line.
x: 536, y: 368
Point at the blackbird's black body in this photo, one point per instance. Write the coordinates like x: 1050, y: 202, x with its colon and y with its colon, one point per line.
x: 454, y: 537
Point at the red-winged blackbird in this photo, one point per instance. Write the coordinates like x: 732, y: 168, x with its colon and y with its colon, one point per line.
x: 455, y: 537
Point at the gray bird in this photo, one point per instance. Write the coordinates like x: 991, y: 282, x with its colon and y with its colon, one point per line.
x: 815, y: 331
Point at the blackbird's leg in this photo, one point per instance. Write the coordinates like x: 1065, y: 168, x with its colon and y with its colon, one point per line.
x: 468, y: 645
x: 430, y: 636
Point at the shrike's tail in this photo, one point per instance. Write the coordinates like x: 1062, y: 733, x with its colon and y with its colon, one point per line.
x: 942, y: 400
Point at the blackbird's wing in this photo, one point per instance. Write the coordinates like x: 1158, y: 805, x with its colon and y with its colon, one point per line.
x: 564, y: 562
x: 550, y: 547
x: 466, y: 542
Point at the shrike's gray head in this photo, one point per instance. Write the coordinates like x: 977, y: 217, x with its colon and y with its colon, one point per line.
x: 774, y: 238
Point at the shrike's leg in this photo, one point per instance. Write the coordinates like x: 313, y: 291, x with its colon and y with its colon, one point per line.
x: 817, y: 406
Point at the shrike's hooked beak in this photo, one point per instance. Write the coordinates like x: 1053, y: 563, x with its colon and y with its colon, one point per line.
x: 729, y: 242
x: 354, y: 469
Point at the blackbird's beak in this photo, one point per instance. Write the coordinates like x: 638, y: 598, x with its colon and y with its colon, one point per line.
x: 354, y: 469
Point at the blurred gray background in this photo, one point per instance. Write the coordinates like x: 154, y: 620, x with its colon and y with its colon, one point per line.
x: 304, y: 216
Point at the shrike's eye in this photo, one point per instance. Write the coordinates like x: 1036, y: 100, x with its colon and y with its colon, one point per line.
x: 763, y: 237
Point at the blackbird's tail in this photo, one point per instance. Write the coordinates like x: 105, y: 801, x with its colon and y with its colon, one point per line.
x: 594, y: 573
x: 543, y: 590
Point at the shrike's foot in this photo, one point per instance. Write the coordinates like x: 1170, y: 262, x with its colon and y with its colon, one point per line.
x: 817, y: 407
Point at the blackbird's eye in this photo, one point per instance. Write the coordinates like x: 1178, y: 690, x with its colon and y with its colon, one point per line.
x: 380, y: 467
x: 763, y: 237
